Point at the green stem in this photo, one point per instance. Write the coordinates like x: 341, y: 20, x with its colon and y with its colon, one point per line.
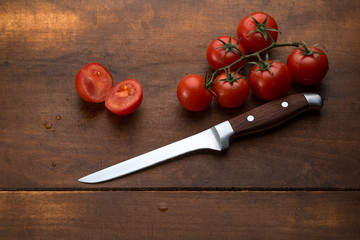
x: 307, y: 51
x: 210, y: 83
x: 258, y: 57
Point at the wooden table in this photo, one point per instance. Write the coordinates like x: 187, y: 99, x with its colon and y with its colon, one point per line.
x: 298, y: 181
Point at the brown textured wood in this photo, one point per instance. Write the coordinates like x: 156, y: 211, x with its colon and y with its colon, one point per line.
x: 49, y: 137
x: 270, y: 115
x: 180, y: 215
x: 43, y: 44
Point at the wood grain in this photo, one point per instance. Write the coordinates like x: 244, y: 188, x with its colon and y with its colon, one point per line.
x: 44, y: 43
x: 179, y: 215
x: 270, y: 115
x: 298, y: 181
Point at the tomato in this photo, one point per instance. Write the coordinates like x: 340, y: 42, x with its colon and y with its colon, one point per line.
x: 308, y: 68
x: 93, y: 82
x: 253, y: 34
x: 271, y: 83
x: 192, y: 93
x: 231, y: 90
x: 221, y: 52
x: 125, y: 97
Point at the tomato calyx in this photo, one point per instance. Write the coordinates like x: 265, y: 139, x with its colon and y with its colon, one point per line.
x: 231, y: 78
x: 263, y: 29
x: 307, y: 51
x: 229, y: 47
x: 264, y: 65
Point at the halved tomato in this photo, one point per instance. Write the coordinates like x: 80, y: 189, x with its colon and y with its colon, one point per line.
x: 93, y: 82
x: 125, y: 97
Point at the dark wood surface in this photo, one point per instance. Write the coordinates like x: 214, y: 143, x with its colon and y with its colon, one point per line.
x: 298, y: 181
x: 179, y: 215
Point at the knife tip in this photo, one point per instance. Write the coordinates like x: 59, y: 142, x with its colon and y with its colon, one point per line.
x: 85, y: 180
x: 91, y: 179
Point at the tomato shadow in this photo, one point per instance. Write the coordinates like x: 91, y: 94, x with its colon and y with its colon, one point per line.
x: 90, y: 110
x: 117, y: 121
x: 318, y: 88
x: 193, y: 116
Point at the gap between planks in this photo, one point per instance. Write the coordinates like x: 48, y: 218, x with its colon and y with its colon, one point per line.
x: 184, y: 189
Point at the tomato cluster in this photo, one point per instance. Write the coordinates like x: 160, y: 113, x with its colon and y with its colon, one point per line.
x: 94, y: 84
x: 268, y: 79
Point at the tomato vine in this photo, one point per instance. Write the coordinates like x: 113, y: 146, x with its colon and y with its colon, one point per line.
x: 209, y: 82
x: 257, y: 33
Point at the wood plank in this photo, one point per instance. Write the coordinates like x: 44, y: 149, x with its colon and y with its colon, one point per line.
x: 179, y: 215
x: 44, y: 43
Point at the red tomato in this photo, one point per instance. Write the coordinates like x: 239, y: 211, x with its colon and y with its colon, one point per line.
x: 272, y: 83
x: 252, y: 33
x: 93, y: 82
x: 125, y: 97
x: 230, y: 94
x: 220, y: 55
x: 308, y: 69
x: 192, y: 94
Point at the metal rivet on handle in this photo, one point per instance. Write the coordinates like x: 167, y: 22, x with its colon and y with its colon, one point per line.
x: 284, y: 104
x: 250, y: 118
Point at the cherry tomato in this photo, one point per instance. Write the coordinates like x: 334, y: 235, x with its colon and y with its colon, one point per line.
x: 222, y: 51
x: 192, y: 94
x: 93, y: 82
x: 253, y: 34
x: 125, y: 97
x: 271, y: 83
x: 308, y: 68
x: 230, y: 92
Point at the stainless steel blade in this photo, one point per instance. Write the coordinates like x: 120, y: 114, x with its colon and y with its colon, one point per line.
x: 215, y: 138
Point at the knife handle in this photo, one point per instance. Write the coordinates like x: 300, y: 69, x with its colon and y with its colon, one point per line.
x: 274, y: 113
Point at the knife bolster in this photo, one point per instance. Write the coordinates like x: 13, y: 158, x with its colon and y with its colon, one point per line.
x: 223, y: 131
x: 314, y: 100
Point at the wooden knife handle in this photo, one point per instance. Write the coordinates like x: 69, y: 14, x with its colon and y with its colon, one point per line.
x: 274, y: 113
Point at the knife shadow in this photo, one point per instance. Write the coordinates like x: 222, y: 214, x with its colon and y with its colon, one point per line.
x: 205, y: 152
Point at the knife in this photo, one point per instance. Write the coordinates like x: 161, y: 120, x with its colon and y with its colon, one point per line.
x: 218, y: 137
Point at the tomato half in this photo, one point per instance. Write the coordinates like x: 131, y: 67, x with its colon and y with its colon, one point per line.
x: 308, y: 69
x: 192, y: 94
x: 93, y: 82
x: 125, y: 97
x: 255, y: 40
x: 221, y: 52
x: 272, y: 83
x: 230, y: 94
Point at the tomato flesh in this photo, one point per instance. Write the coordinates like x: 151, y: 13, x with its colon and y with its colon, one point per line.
x: 230, y: 94
x: 192, y: 94
x: 308, y: 69
x: 216, y: 56
x: 93, y: 82
x: 255, y: 41
x: 125, y: 97
x: 269, y: 85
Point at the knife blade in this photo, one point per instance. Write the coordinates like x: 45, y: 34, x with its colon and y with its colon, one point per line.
x: 218, y: 137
